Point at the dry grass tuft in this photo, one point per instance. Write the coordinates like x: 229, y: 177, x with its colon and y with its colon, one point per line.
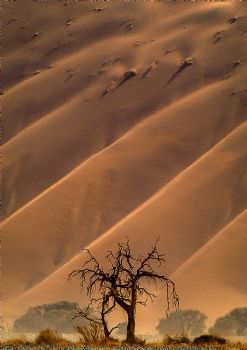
x: 91, y: 335
x: 49, y: 336
x: 22, y: 340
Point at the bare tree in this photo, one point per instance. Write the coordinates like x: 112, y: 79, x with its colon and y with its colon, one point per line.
x: 123, y: 280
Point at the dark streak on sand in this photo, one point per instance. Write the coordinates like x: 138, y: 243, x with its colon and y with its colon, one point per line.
x: 114, y: 85
x: 186, y: 63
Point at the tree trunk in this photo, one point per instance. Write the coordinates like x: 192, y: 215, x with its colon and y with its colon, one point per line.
x: 106, y: 331
x: 105, y: 327
x: 131, y: 326
x: 131, y: 317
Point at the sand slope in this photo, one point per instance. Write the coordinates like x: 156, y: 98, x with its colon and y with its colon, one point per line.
x: 218, y: 271
x: 110, y: 185
x: 178, y: 213
x: 89, y: 157
x: 61, y: 108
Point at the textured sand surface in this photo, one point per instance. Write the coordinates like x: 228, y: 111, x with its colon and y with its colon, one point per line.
x: 131, y: 121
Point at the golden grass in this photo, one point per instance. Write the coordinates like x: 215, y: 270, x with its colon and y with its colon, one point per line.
x: 52, y: 337
x: 22, y: 340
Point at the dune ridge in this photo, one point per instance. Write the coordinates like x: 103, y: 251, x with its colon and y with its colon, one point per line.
x: 141, y: 123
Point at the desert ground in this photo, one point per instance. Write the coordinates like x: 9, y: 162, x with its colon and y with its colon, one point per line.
x: 124, y: 119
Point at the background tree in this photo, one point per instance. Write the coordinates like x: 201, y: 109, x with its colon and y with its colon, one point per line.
x: 122, y: 329
x: 123, y: 280
x: 56, y: 315
x: 183, y: 322
x: 232, y: 324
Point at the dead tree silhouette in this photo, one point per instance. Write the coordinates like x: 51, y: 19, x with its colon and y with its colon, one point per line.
x: 122, y: 281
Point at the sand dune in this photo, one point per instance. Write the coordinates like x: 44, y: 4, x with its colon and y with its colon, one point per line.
x: 182, y: 231
x: 102, y: 199
x: 90, y: 137
x: 71, y: 90
x: 114, y: 126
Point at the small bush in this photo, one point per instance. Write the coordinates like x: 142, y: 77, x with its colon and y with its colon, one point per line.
x: 168, y: 340
x: 209, y: 339
x: 48, y: 336
x: 92, y: 334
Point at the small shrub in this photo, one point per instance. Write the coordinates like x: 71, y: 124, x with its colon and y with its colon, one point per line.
x: 184, y: 340
x: 209, y: 339
x: 92, y: 334
x: 48, y: 336
x: 168, y: 340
